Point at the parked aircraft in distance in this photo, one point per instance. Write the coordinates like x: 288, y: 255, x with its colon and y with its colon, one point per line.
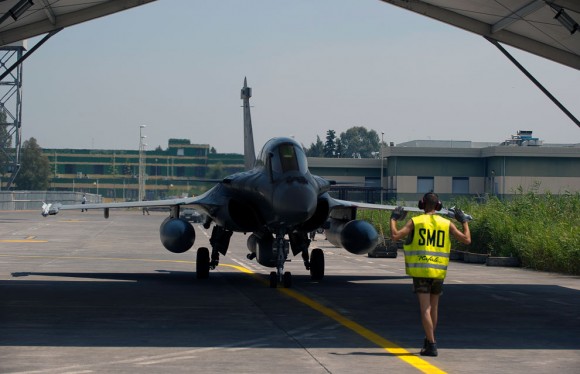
x: 277, y: 201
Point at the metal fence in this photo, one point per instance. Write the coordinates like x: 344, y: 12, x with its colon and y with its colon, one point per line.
x: 32, y: 200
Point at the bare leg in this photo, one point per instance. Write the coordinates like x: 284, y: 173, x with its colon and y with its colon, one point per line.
x: 434, y: 312
x: 426, y: 316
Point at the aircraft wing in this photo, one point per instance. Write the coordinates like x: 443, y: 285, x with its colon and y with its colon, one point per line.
x: 207, y: 202
x: 132, y: 204
x: 450, y: 213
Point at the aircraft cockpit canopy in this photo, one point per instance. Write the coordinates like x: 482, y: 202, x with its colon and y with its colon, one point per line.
x: 283, y: 156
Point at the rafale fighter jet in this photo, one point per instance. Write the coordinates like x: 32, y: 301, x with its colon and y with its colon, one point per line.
x: 277, y: 201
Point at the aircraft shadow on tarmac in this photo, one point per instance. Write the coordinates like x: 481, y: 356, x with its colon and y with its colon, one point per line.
x: 180, y: 276
x: 173, y: 309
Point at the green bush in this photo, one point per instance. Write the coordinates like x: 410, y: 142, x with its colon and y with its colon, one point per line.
x: 542, y: 230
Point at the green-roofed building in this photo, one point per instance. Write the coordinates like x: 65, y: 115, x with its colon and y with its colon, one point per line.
x: 178, y: 170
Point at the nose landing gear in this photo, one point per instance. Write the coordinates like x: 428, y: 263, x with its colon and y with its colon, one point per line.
x: 281, y: 249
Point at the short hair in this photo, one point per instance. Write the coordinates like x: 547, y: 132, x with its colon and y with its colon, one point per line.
x: 431, y: 200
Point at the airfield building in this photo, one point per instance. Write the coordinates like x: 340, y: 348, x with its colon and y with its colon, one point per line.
x: 455, y: 168
x: 408, y: 170
x: 114, y: 174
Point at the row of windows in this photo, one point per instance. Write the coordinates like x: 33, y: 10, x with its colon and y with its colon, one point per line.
x: 459, y: 185
x: 176, y: 171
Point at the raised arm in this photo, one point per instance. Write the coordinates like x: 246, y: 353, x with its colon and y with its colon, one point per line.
x: 465, y: 236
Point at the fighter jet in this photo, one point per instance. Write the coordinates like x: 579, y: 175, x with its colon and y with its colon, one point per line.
x: 277, y: 202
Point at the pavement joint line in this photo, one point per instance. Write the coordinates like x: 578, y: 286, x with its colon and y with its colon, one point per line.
x: 96, y: 258
x: 389, y: 346
x: 22, y: 241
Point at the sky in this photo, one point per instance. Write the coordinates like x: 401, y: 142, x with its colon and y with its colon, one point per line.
x: 177, y: 66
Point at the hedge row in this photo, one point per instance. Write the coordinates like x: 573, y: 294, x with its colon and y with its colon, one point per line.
x: 542, y: 230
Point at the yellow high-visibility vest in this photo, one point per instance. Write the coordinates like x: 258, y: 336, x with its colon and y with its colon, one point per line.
x: 427, y: 251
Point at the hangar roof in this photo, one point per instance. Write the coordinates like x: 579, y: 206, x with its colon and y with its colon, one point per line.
x: 23, y: 19
x: 542, y: 27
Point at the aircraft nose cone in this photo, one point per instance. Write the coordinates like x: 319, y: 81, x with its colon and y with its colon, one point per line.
x: 295, y: 203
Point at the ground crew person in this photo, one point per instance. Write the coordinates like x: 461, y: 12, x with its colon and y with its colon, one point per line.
x: 426, y: 257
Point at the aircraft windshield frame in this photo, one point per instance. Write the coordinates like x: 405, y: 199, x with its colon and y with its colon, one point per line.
x: 288, y: 157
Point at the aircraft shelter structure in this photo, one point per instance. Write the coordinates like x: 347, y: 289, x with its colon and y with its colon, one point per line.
x: 547, y: 28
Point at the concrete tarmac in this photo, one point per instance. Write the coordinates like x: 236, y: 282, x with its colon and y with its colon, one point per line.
x: 84, y: 294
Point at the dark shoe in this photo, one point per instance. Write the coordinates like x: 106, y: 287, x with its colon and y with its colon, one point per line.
x: 430, y: 350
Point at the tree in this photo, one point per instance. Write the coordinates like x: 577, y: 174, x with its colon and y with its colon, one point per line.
x: 339, y: 149
x: 316, y: 149
x: 359, y: 142
x: 330, y: 146
x: 216, y: 171
x: 34, y: 168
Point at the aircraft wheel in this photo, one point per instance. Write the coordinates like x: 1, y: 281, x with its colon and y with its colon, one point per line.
x: 202, y: 263
x: 287, y: 279
x: 273, y: 280
x: 317, y: 264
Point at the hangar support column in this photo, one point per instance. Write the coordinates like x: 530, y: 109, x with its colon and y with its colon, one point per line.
x: 12, y: 56
x: 10, y: 111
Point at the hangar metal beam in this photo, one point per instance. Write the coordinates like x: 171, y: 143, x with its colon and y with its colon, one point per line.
x: 484, y: 29
x: 535, y: 81
x: 519, y: 14
x: 68, y: 19
x: 49, y: 12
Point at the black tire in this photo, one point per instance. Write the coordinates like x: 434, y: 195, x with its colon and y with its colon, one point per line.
x: 316, y: 264
x: 287, y: 279
x: 273, y: 279
x: 202, y: 263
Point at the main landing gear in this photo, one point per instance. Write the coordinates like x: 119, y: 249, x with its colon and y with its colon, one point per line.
x: 202, y: 263
x: 317, y: 264
x: 220, y: 241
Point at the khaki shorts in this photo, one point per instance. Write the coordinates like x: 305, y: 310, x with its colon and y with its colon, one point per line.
x: 428, y: 285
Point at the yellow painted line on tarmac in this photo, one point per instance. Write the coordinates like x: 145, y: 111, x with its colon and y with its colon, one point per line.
x: 389, y: 346
x: 386, y: 344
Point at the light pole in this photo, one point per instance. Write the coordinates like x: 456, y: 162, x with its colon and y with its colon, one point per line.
x: 141, y: 163
x: 156, y: 177
x: 382, y: 142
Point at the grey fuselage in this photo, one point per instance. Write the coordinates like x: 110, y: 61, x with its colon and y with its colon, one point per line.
x: 278, y: 193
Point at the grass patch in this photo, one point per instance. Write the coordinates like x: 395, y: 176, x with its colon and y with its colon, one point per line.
x: 542, y: 230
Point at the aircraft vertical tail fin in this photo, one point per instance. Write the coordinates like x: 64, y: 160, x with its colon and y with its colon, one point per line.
x: 249, y: 152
